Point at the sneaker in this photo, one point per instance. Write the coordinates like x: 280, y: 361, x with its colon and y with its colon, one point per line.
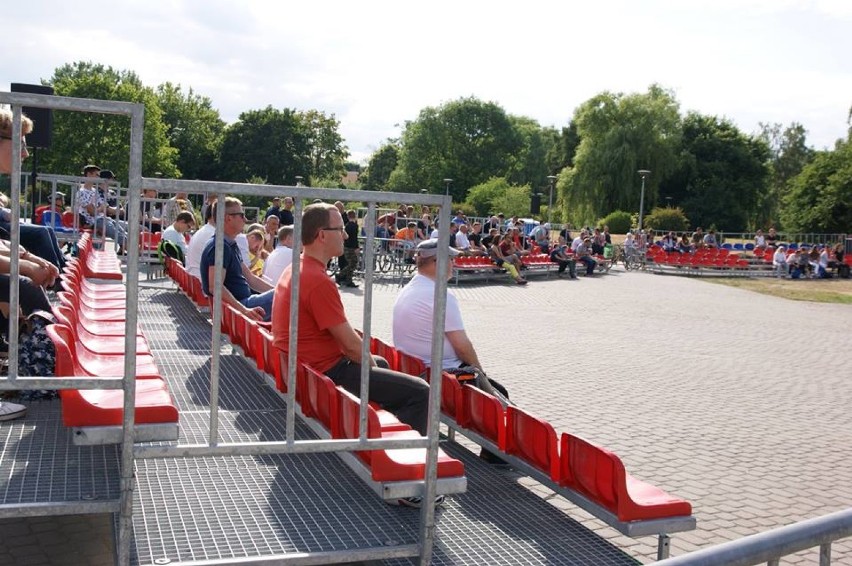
x: 10, y: 411
x: 417, y: 502
x: 492, y: 458
x: 521, y: 281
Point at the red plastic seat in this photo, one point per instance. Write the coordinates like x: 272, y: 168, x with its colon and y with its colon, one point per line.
x: 83, y: 408
x: 387, y: 352
x: 350, y: 416
x: 320, y: 401
x: 533, y: 441
x: 484, y: 414
x: 451, y: 395
x: 600, y: 475
x: 102, y: 343
x: 404, y: 464
x: 88, y: 313
x: 410, y: 364
x: 95, y: 364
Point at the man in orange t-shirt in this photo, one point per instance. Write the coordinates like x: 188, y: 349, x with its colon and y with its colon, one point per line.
x: 326, y: 341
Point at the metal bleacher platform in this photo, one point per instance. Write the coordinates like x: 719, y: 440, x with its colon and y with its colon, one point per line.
x: 242, y: 507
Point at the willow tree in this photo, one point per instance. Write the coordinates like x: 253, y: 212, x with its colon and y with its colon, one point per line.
x: 620, y: 134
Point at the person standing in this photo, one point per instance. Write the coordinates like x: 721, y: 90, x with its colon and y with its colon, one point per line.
x: 350, y: 250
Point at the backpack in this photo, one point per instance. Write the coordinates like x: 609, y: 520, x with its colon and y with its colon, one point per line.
x: 170, y: 249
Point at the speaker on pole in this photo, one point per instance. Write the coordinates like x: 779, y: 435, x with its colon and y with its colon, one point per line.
x: 535, y: 204
x: 42, y: 118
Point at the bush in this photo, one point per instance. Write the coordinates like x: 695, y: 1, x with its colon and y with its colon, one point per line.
x: 666, y: 219
x: 619, y: 222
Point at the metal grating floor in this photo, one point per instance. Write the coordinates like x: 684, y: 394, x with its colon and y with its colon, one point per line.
x: 192, y: 509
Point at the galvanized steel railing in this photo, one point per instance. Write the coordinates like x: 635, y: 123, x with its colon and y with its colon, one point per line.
x: 770, y: 546
x: 129, y: 452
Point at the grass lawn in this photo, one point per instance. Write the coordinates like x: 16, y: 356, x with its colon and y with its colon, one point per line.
x: 814, y: 290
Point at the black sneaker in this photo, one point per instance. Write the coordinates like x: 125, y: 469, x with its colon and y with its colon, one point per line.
x: 492, y: 458
x: 417, y: 502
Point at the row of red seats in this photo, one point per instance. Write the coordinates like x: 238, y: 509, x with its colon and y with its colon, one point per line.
x: 191, y: 286
x: 89, y: 341
x: 569, y: 461
x: 320, y: 399
x: 719, y: 261
x: 98, y: 264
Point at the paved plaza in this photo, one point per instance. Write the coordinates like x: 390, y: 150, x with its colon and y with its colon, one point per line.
x: 736, y: 401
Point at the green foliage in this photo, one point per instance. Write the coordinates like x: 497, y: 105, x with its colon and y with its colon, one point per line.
x: 665, y: 219
x: 465, y: 208
x: 514, y: 201
x: 722, y: 172
x: 326, y: 151
x: 620, y: 134
x: 268, y: 143
x: 820, y: 197
x: 788, y: 155
x: 81, y: 138
x: 529, y: 163
x: 565, y: 143
x: 381, y: 165
x: 482, y: 197
x: 466, y: 140
x: 619, y: 222
x: 195, y: 128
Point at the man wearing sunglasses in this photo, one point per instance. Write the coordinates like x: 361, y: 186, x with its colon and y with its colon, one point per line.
x: 248, y: 293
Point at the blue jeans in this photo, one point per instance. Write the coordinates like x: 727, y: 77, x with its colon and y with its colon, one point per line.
x: 113, y: 230
x: 263, y: 300
x: 40, y: 240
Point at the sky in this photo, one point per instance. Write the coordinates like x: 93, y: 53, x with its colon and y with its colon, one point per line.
x: 376, y: 64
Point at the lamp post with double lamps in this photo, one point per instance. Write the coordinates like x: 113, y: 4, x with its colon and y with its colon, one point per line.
x: 552, y: 179
x: 644, y: 173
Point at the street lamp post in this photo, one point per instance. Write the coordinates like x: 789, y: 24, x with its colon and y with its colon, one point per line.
x: 299, y: 180
x: 644, y: 173
x: 552, y: 179
x: 447, y: 186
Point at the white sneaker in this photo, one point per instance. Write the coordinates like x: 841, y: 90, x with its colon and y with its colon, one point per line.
x: 10, y: 411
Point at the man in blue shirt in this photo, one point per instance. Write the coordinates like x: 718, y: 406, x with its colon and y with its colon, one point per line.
x: 248, y: 293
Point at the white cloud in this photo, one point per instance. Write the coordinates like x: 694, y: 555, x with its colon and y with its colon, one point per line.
x: 377, y: 64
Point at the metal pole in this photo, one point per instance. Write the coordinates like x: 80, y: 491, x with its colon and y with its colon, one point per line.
x: 447, y: 186
x: 552, y: 179
x: 644, y: 173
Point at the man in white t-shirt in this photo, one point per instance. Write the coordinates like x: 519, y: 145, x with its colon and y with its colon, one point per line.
x: 199, y: 240
x: 412, y: 321
x: 281, y: 256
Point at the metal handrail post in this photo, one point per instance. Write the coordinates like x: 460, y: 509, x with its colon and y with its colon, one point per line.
x: 125, y: 524
x: 367, y: 325
x: 292, y: 354
x: 14, y: 241
x: 216, y: 336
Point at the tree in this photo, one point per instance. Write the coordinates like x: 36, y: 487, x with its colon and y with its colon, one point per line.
x: 466, y: 140
x: 326, y: 151
x: 820, y: 197
x: 564, y: 146
x: 515, y: 200
x: 620, y: 134
x: 381, y: 165
x: 482, y: 197
x: 80, y: 138
x: 788, y: 155
x: 195, y: 128
x: 529, y: 164
x: 722, y: 173
x: 271, y: 144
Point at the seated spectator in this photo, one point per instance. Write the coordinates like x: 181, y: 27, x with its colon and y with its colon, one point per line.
x: 462, y: 243
x: 583, y: 254
x: 150, y: 214
x: 670, y: 243
x: 822, y: 263
x: 459, y: 218
x: 566, y: 233
x: 772, y: 237
x: 176, y: 233
x: 406, y: 240
x: 475, y: 239
x: 325, y: 339
x: 519, y: 241
x: 779, y: 261
x: 561, y: 254
x: 92, y: 207
x: 199, y: 240
x: 541, y: 236
x: 710, y: 239
x: 257, y: 253
x: 174, y: 206
x: 492, y: 223
x: 684, y: 245
x: 413, y: 317
x: 270, y: 232
x: 759, y: 240
x: 249, y: 294
x: 424, y: 226
x: 509, y: 262
x: 598, y: 242
x: 281, y: 257
x: 698, y: 239
x: 274, y: 209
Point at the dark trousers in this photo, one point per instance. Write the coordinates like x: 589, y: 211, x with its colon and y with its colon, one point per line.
x: 31, y: 298
x: 40, y: 240
x: 405, y: 396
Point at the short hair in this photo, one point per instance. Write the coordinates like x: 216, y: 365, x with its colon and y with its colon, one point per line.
x: 284, y: 233
x: 185, y: 217
x: 314, y: 218
x: 351, y: 214
x: 6, y: 123
x: 412, y: 225
x: 257, y: 234
x: 272, y: 216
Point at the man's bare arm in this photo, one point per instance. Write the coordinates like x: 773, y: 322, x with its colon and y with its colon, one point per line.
x: 349, y: 341
x: 463, y: 347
